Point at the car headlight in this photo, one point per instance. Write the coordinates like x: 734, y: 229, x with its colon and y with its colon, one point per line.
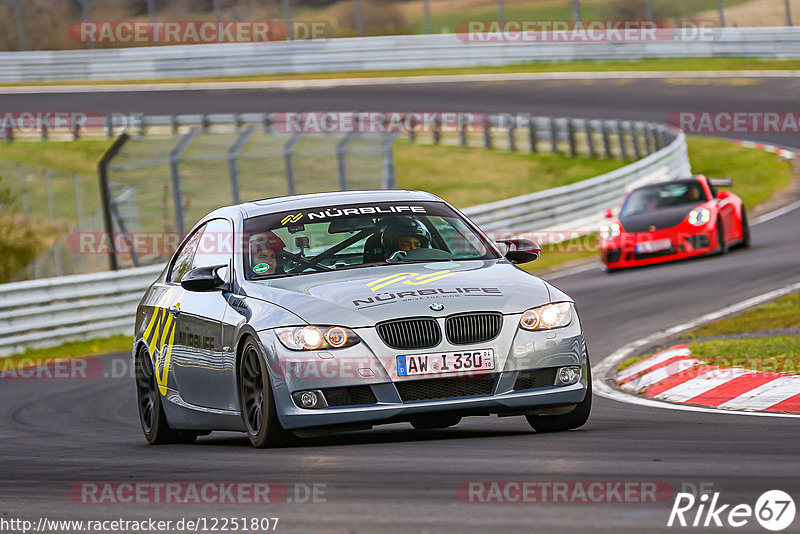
x: 610, y: 230
x: 699, y: 217
x: 547, y: 317
x: 316, y: 337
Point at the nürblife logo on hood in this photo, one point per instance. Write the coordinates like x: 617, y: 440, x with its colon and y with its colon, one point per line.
x: 380, y: 299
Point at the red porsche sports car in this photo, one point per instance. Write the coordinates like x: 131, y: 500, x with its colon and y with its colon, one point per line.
x: 673, y: 220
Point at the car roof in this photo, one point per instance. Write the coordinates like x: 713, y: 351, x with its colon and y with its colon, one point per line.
x: 690, y: 180
x: 315, y: 200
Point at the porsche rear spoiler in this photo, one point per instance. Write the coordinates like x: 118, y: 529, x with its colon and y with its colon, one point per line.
x: 720, y: 182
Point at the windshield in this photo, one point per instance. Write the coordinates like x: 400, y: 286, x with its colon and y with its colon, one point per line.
x: 358, y: 235
x: 663, y: 196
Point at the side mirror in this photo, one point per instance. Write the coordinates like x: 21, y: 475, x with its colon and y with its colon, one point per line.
x: 609, y: 214
x: 203, y: 279
x: 521, y: 250
x: 723, y: 195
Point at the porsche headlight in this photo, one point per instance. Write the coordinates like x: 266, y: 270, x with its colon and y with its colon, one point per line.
x: 699, y: 217
x: 547, y: 317
x: 316, y: 337
x: 610, y: 230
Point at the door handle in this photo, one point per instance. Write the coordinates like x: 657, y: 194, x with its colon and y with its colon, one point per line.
x: 174, y: 310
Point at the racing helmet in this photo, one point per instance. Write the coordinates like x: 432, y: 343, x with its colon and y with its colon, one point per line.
x: 404, y: 227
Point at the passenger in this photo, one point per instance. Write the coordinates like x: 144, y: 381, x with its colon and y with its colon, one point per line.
x: 265, y: 253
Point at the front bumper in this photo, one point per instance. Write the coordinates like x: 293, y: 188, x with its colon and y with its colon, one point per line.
x: 621, y: 252
x: 387, y: 398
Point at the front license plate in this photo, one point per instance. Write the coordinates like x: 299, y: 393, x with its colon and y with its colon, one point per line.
x: 445, y: 362
x: 654, y: 246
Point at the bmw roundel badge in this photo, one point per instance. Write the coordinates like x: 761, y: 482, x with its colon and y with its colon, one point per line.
x: 436, y: 306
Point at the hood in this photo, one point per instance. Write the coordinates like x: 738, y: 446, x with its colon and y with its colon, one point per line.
x: 663, y: 218
x: 363, y: 297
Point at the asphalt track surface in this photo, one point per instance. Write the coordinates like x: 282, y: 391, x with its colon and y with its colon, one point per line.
x: 394, y: 479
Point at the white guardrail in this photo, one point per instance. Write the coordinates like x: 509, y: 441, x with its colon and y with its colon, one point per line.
x: 49, y: 311
x: 380, y: 53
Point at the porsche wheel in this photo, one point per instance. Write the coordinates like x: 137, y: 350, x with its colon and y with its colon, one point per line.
x: 722, y: 245
x: 151, y: 412
x: 258, y: 404
x: 745, y: 230
x: 574, y: 419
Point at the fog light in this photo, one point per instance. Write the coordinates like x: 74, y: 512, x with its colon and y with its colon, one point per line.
x: 568, y: 375
x: 309, y: 399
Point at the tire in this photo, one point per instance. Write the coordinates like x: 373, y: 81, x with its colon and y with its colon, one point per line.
x: 745, y: 230
x: 257, y: 401
x: 574, y: 419
x: 431, y: 423
x: 722, y: 246
x: 151, y: 412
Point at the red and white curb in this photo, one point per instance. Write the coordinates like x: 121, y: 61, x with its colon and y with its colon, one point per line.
x: 779, y: 150
x: 675, y: 375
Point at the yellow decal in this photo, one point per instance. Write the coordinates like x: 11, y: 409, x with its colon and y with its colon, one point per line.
x: 292, y: 218
x: 159, y: 337
x: 409, y: 279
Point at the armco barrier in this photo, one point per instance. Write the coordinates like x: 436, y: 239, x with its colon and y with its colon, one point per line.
x: 377, y: 53
x: 53, y: 310
x: 50, y: 311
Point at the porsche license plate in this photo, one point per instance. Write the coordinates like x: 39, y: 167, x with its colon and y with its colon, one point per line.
x: 445, y: 362
x: 654, y: 246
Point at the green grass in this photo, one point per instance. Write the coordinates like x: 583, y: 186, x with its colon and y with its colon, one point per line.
x: 470, y: 176
x: 781, y: 313
x: 69, y: 350
x: 680, y: 64
x: 771, y: 354
x: 69, y: 156
x: 756, y: 174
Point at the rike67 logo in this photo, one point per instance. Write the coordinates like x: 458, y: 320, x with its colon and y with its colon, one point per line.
x: 774, y: 510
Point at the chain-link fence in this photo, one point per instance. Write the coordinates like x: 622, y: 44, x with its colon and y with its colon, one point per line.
x: 177, y: 179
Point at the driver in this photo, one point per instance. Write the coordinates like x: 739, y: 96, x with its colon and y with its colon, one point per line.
x: 265, y: 252
x: 405, y: 234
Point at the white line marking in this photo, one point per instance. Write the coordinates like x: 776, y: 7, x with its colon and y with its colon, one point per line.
x: 602, y: 368
x: 766, y: 395
x: 777, y: 213
x: 703, y: 383
x: 389, y: 80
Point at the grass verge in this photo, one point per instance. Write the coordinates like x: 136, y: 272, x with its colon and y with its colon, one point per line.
x: 648, y: 65
x: 779, y: 354
x: 69, y: 350
x: 780, y: 313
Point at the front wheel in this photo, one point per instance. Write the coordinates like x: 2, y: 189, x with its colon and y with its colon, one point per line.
x: 574, y: 419
x: 722, y: 245
x: 151, y: 412
x: 745, y: 230
x: 257, y: 401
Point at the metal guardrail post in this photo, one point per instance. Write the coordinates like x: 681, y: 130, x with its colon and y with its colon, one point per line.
x: 426, y: 6
x: 437, y: 131
x: 623, y: 150
x: 123, y: 230
x: 589, y: 131
x: 487, y: 132
x: 606, y: 139
x: 341, y: 148
x: 553, y: 136
x: 512, y: 142
x: 108, y: 126
x: 635, y: 137
x: 177, y: 193
x: 532, y: 134
x: 462, y: 133
x: 142, y: 126
x: 573, y: 149
x: 173, y: 122
x: 204, y: 123
x: 105, y: 195
x: 287, y: 158
x: 44, y: 132
x: 268, y: 128
x: 287, y: 18
x: 233, y: 168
